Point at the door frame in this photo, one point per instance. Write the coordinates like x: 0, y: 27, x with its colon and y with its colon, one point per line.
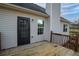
x: 18, y: 26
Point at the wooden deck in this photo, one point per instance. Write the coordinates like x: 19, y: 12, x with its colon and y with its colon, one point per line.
x: 38, y: 49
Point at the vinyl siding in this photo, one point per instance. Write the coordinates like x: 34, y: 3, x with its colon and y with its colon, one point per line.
x: 55, y: 24
x: 8, y: 27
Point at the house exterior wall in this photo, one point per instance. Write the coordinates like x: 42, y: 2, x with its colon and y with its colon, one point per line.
x: 53, y: 10
x: 74, y: 29
x: 8, y: 27
x: 61, y: 28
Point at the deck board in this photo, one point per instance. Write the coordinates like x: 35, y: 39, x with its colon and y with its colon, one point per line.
x: 38, y: 49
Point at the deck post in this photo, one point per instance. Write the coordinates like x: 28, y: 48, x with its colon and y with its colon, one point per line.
x: 76, y: 44
x: 0, y: 40
x: 51, y: 36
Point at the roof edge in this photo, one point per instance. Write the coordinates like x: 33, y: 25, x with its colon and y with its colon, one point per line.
x: 62, y: 19
x: 23, y: 9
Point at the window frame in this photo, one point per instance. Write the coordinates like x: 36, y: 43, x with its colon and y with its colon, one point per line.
x: 65, y: 27
x: 40, y: 27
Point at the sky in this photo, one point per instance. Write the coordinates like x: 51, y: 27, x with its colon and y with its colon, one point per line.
x: 69, y: 11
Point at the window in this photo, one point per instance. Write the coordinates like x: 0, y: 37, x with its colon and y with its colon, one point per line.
x: 40, y: 27
x: 65, y: 27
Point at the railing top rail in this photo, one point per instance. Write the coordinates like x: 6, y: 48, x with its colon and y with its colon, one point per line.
x: 59, y: 34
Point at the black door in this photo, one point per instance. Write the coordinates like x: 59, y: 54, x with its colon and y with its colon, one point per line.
x: 23, y: 30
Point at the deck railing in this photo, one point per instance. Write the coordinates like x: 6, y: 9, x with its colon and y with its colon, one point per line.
x: 65, y: 40
x: 59, y: 38
x: 73, y: 43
